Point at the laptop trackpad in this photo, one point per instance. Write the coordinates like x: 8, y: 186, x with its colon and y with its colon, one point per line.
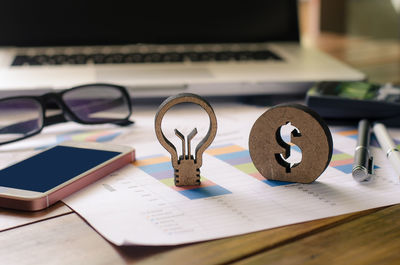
x: 118, y: 75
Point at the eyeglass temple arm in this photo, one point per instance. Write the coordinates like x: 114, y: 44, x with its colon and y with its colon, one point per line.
x: 123, y: 123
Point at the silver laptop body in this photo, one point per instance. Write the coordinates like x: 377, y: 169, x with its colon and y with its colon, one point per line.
x: 240, y: 49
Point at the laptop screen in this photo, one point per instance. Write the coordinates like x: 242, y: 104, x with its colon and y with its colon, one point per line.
x: 49, y: 23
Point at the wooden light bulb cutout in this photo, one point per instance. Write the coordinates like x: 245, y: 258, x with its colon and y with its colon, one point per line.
x: 270, y: 152
x: 186, y: 166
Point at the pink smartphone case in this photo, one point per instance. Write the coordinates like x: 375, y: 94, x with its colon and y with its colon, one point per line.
x: 44, y: 202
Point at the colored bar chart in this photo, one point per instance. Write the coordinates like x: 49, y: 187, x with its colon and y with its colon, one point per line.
x: 93, y: 136
x: 342, y: 161
x: 353, y: 133
x: 82, y: 135
x: 239, y: 158
x: 160, y: 168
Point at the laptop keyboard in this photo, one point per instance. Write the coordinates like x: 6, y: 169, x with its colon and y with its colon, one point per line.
x: 127, y: 58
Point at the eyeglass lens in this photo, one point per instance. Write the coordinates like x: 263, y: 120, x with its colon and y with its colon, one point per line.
x: 19, y: 118
x: 97, y: 104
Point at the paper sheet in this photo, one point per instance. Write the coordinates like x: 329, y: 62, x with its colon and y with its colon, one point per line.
x: 139, y: 205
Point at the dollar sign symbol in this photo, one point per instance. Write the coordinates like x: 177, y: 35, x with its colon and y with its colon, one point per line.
x: 282, y: 159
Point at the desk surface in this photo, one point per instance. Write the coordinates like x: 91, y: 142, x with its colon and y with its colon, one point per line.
x: 60, y: 236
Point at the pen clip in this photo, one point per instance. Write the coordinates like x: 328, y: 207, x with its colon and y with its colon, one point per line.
x: 370, y: 166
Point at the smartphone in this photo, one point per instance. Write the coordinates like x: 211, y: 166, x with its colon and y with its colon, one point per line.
x: 45, y: 178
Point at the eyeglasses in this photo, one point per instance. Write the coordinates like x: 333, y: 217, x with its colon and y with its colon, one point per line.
x: 25, y: 116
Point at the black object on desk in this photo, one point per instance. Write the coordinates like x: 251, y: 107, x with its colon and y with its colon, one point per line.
x: 363, y: 161
x: 353, y: 101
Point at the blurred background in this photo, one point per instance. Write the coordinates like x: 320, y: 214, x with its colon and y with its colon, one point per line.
x: 362, y: 33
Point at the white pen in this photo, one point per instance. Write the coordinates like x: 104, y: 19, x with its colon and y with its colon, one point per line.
x: 388, y: 146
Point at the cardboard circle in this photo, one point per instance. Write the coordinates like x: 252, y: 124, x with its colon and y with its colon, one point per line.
x: 315, y: 143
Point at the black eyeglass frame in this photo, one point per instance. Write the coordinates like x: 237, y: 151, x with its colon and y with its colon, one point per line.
x: 67, y: 114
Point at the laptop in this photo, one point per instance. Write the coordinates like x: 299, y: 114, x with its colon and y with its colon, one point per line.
x: 157, y: 49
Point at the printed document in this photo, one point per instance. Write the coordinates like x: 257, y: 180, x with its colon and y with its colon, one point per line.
x: 140, y: 205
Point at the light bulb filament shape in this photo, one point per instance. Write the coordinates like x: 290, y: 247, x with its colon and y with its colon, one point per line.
x: 189, y: 138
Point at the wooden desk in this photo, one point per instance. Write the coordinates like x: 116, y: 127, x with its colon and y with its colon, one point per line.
x: 368, y: 237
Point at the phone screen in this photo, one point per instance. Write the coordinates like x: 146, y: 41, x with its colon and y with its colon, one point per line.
x: 53, y: 167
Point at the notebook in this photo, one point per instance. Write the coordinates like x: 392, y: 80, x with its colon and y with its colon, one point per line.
x: 156, y: 49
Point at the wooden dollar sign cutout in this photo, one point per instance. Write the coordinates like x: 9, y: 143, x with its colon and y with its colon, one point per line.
x: 279, y: 157
x: 270, y: 152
